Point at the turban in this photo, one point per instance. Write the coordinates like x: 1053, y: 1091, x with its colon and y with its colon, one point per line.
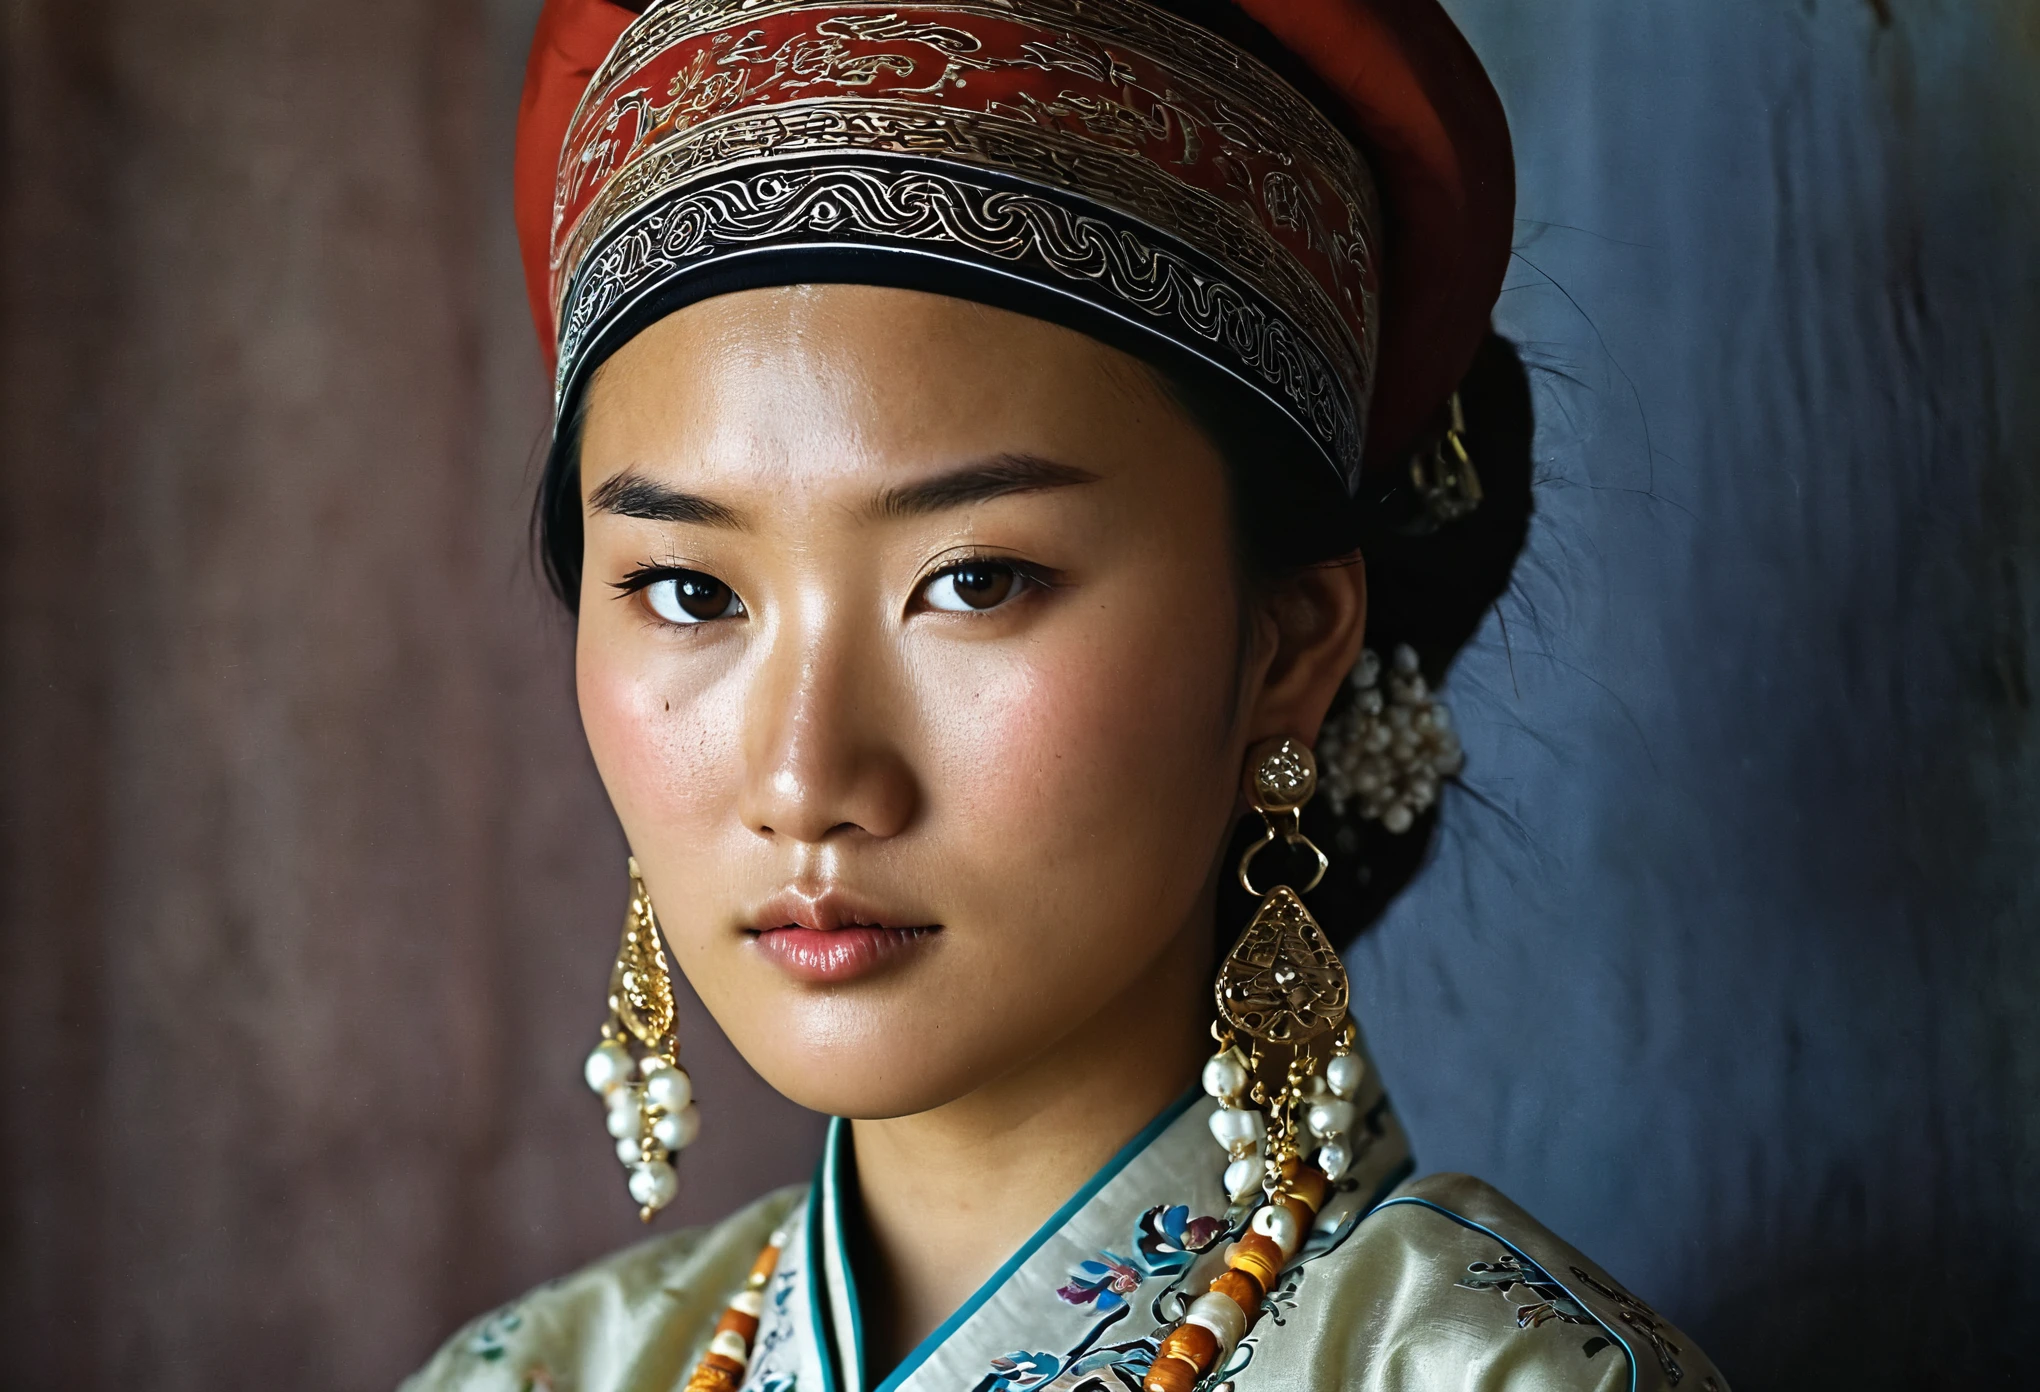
x: 1310, y: 198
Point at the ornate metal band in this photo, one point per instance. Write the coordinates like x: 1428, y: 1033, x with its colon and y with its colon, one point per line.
x: 1102, y: 151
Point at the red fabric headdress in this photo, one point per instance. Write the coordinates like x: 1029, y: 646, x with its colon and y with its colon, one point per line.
x: 1109, y: 164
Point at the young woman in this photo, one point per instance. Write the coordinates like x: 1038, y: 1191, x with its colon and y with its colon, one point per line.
x: 994, y: 438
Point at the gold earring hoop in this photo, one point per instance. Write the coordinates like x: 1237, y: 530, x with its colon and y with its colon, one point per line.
x: 1280, y: 781
x: 649, y: 1096
x: 1283, y: 982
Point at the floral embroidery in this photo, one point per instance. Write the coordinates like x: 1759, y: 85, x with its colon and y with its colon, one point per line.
x: 1017, y: 1370
x: 1105, y: 1283
x: 776, y: 1334
x: 1165, y: 1241
x: 1645, y: 1323
x: 1509, y: 1271
x: 1169, y: 1239
x: 490, y: 1341
x: 1553, y: 1302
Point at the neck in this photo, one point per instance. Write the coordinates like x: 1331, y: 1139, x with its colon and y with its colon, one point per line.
x: 948, y: 1194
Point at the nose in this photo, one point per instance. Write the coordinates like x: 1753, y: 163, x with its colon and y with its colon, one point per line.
x: 823, y: 756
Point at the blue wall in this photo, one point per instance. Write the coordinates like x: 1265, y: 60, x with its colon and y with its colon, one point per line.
x: 1728, y: 964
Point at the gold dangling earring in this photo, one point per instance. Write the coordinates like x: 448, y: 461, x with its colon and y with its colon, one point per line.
x: 1282, y: 994
x: 650, y: 1097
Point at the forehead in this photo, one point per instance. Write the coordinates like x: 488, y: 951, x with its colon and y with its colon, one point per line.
x: 811, y: 382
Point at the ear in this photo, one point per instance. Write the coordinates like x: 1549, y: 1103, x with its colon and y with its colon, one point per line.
x: 1312, y: 627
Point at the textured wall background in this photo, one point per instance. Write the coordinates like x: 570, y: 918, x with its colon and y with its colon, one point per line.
x: 310, y: 889
x: 1731, y: 967
x: 1728, y: 966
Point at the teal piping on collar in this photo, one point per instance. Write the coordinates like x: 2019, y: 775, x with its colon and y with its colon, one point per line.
x: 818, y: 1310
x: 1521, y: 1255
x: 912, y: 1362
x: 832, y: 1205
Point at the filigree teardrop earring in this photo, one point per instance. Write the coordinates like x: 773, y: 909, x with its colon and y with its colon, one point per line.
x: 1282, y: 996
x: 649, y: 1095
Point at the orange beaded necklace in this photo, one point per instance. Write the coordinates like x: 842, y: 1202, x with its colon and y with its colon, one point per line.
x: 1217, y: 1320
x: 729, y: 1349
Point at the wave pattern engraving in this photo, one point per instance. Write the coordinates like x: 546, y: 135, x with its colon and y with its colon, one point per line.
x: 1043, y: 239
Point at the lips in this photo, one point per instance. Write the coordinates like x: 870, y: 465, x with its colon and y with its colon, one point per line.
x: 829, y: 938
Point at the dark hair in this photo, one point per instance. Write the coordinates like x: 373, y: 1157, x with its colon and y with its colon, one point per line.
x: 1429, y: 588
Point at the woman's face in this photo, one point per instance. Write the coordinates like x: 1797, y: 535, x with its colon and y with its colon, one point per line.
x: 910, y: 653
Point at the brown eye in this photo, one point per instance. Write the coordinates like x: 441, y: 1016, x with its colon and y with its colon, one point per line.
x: 691, y: 598
x: 974, y: 586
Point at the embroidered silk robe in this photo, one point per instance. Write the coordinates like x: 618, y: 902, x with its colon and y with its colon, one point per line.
x: 1403, y: 1285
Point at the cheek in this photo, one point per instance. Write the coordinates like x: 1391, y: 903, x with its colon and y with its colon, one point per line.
x: 653, y: 732
x: 1096, y: 766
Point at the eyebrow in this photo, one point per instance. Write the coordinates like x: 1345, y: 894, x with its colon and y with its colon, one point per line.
x: 978, y: 482
x: 631, y: 494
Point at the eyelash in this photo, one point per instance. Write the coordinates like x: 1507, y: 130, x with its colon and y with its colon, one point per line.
x: 645, y: 576
x: 1033, y: 576
x: 1030, y: 575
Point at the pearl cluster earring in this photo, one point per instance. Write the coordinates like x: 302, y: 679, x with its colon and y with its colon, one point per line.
x: 1333, y: 1113
x: 649, y: 1096
x: 1388, y: 751
x: 1321, y: 1098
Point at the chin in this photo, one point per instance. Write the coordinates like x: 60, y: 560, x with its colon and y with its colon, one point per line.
x: 922, y: 1034
x: 877, y: 1068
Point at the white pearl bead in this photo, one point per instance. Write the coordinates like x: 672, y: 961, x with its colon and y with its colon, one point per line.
x: 1344, y: 1073
x: 628, y: 1150
x: 608, y: 1066
x: 1242, y: 1178
x: 1278, y: 1224
x: 1397, y: 819
x: 1334, y: 1159
x: 1222, y: 1316
x: 669, y: 1089
x: 653, y: 1184
x: 1225, y: 1076
x: 677, y: 1130
x: 1233, y: 1127
x: 1333, y: 1118
x: 625, y: 1118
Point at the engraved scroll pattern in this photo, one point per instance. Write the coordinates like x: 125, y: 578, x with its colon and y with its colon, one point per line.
x: 843, y: 203
x: 1280, y: 166
x: 1283, y: 983
x: 1048, y: 157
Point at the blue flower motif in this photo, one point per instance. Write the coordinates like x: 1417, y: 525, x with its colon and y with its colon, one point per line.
x: 491, y: 1339
x: 1167, y: 1239
x: 1103, y: 1282
x: 1020, y: 1369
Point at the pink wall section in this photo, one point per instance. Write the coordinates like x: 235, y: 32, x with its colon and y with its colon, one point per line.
x: 310, y: 889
